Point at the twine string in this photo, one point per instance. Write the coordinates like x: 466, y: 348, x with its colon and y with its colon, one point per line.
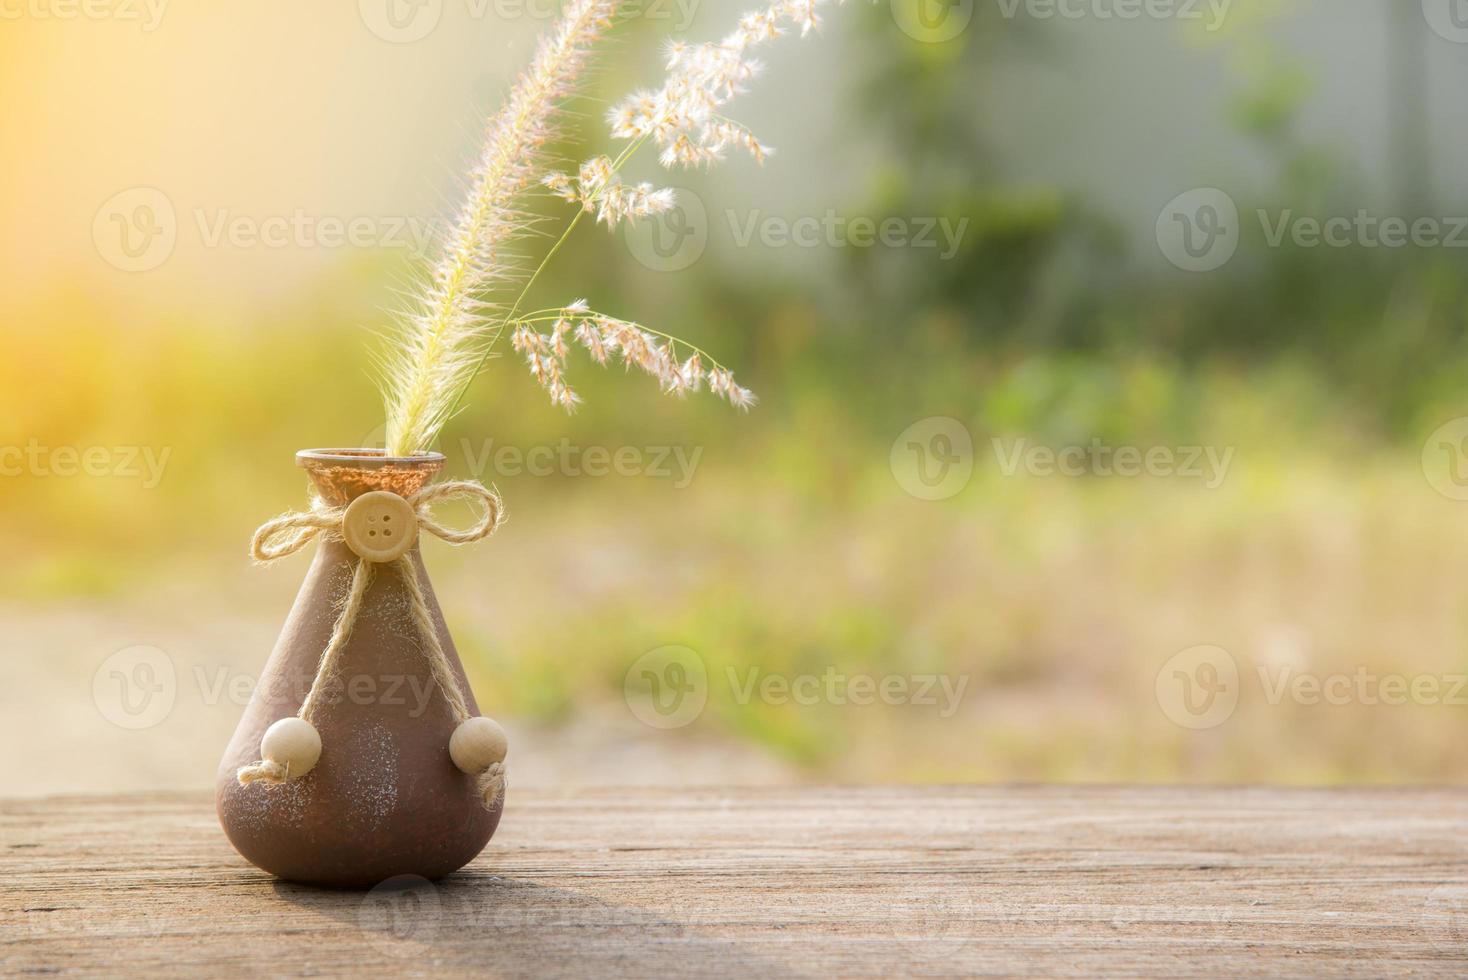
x: 289, y: 533
x: 340, y: 633
x: 438, y: 661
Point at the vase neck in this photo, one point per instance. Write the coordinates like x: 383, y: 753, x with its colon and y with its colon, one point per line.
x: 340, y: 476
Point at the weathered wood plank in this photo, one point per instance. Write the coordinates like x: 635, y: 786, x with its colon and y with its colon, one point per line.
x: 871, y: 882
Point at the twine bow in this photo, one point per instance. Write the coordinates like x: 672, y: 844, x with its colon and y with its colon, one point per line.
x: 289, y: 533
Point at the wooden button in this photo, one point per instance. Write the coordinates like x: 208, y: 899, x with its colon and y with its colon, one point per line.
x: 380, y: 526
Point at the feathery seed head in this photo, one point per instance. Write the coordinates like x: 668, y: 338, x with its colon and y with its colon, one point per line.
x: 441, y: 343
x: 601, y: 336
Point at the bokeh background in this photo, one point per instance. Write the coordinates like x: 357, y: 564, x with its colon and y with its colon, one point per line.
x: 1096, y: 243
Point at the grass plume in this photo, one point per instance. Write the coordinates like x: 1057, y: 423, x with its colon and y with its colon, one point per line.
x: 440, y: 343
x: 454, y: 328
x: 682, y: 117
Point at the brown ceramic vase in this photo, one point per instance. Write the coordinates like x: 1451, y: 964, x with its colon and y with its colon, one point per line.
x: 385, y: 799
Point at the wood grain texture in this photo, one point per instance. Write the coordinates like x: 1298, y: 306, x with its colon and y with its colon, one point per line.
x: 775, y: 883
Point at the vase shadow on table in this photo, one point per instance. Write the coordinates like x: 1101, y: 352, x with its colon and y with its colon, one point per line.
x: 514, y: 927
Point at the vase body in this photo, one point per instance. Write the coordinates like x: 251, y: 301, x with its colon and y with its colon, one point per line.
x: 385, y: 799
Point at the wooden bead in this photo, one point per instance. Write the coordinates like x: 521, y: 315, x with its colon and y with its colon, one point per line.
x: 477, y: 744
x: 380, y: 526
x: 292, y: 743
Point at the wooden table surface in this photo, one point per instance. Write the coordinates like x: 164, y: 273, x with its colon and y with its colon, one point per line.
x: 772, y: 883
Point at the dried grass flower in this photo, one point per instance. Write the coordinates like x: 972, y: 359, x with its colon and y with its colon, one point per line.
x: 452, y: 329
x: 607, y: 338
x: 441, y: 342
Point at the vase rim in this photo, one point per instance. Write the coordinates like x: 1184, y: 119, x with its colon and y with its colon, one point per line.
x: 365, y: 458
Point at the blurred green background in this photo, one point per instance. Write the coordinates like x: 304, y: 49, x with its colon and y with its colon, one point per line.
x: 797, y: 540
